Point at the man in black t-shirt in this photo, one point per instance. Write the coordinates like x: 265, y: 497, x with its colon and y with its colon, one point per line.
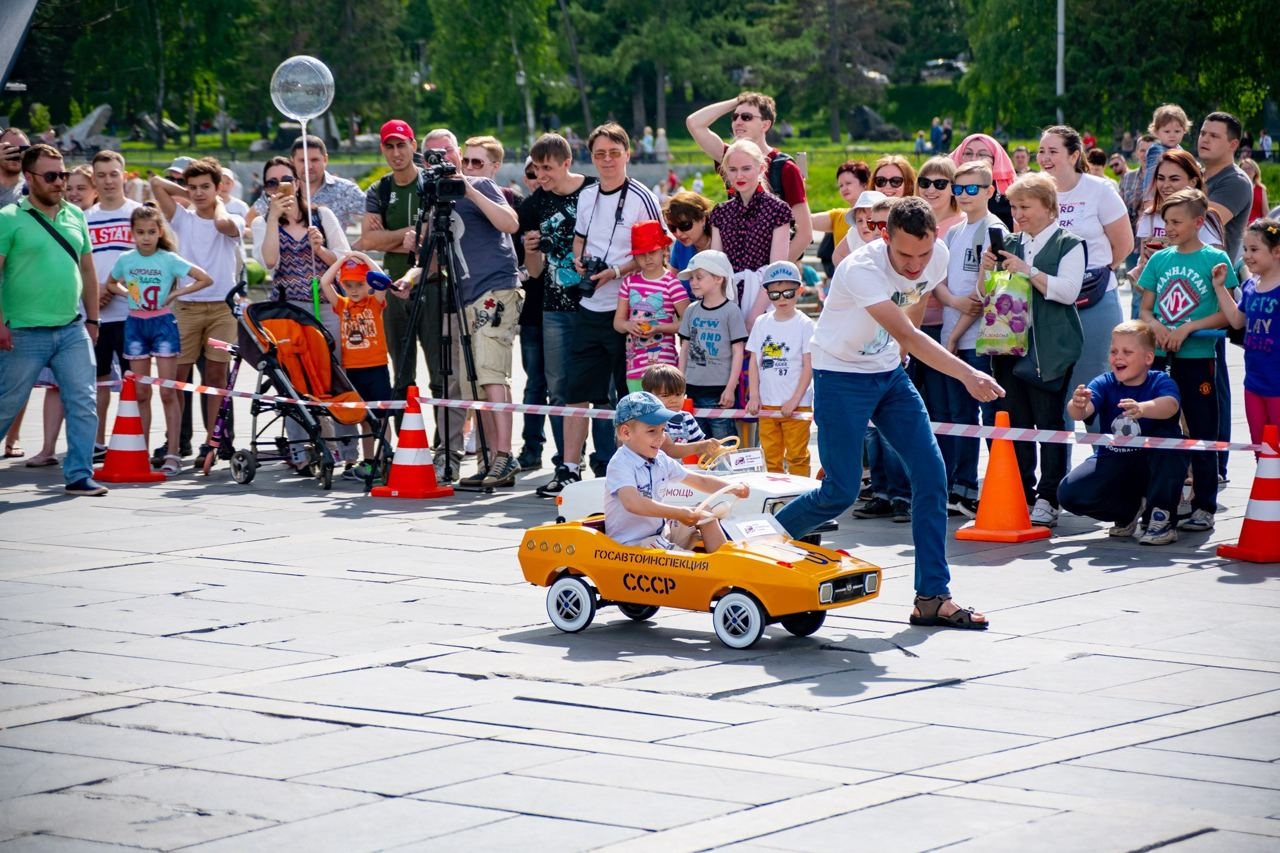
x: 547, y: 220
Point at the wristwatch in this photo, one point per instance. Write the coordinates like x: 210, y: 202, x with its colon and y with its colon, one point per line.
x: 1032, y: 272
x: 91, y: 322
x: 617, y: 272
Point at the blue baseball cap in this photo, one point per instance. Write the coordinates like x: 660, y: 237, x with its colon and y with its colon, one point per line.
x: 780, y: 271
x: 643, y: 407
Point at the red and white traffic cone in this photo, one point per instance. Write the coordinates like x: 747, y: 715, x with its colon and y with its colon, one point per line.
x: 1260, y: 535
x: 127, y: 460
x: 413, y: 472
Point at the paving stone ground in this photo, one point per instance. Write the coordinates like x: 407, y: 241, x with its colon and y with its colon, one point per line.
x: 199, y: 665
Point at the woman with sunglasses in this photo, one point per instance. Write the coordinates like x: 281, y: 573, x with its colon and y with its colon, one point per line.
x: 893, y: 177
x: 686, y: 213
x: 980, y: 146
x: 296, y: 244
x: 1090, y: 208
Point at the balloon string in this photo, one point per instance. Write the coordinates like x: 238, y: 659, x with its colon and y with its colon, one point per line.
x: 306, y: 184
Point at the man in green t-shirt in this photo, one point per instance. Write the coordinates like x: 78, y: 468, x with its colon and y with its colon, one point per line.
x: 390, y: 220
x: 49, y: 309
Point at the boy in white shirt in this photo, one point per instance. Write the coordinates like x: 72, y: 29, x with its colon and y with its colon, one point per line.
x: 638, y: 473
x: 780, y: 373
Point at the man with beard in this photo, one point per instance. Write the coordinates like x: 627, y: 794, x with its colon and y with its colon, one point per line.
x: 46, y: 264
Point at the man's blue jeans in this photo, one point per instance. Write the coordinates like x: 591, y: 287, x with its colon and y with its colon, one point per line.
x: 68, y: 352
x: 557, y: 342
x: 842, y: 405
x: 961, y: 454
x: 535, y: 386
x: 888, y: 475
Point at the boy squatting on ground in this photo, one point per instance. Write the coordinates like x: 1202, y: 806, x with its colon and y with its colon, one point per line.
x: 638, y: 473
x: 1129, y: 486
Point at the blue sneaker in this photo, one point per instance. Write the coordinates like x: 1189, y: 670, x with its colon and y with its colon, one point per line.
x: 88, y: 487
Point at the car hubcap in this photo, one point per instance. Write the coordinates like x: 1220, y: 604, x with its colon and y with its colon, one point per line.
x: 569, y: 605
x: 737, y: 620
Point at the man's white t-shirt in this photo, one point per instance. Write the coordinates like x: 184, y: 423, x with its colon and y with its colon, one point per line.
x: 111, y: 236
x: 607, y: 235
x: 1086, y: 210
x: 778, y: 348
x: 201, y: 243
x: 847, y: 338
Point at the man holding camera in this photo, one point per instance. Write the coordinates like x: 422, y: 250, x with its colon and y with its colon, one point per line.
x: 13, y: 143
x: 488, y: 289
x: 390, y: 219
x: 602, y: 253
x: 548, y: 218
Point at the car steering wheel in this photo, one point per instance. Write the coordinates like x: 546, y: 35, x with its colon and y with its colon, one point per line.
x: 711, y: 457
x: 719, y: 510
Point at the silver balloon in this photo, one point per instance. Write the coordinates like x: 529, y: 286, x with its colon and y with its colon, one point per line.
x: 302, y: 87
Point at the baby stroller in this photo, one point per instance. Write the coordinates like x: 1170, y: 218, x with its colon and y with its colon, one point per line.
x: 294, y: 356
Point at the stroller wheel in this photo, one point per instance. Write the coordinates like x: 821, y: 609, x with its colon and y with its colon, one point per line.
x: 244, y: 464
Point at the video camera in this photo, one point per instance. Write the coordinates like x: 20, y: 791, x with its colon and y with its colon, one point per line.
x: 441, y: 181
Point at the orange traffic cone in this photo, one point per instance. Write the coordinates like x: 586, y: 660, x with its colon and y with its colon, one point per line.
x: 692, y: 458
x: 412, y: 473
x: 1260, y: 536
x: 127, y: 460
x: 1002, y: 509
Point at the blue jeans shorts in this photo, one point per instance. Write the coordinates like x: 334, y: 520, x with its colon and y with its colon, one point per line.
x: 145, y: 337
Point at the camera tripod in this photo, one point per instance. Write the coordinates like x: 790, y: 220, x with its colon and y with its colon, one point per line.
x: 438, y: 248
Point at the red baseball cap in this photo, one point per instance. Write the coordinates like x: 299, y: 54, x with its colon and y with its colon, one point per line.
x: 397, y: 129
x: 353, y: 269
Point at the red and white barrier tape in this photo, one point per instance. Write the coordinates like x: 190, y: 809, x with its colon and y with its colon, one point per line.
x: 1043, y: 436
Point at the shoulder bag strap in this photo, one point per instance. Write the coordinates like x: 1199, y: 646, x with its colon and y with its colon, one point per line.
x: 62, y: 241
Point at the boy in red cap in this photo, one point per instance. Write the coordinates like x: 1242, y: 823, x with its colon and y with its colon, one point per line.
x: 651, y: 301
x: 362, y: 338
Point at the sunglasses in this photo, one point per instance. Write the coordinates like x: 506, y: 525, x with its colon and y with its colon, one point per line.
x: 775, y: 295
x: 679, y: 225
x: 877, y: 224
x: 967, y: 189
x: 531, y: 176
x: 272, y: 183
x: 474, y: 162
x: 50, y: 177
x: 890, y: 182
x: 745, y: 116
x: 615, y: 154
x: 936, y: 183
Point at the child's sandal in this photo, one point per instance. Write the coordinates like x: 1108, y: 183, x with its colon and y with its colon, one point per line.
x: 172, y: 464
x: 927, y: 614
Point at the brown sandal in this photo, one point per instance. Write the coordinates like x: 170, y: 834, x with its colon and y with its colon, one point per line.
x: 927, y: 614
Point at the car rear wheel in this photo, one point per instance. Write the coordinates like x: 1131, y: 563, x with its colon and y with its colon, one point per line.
x: 638, y: 612
x: 571, y: 604
x: 739, y: 620
x: 804, y: 624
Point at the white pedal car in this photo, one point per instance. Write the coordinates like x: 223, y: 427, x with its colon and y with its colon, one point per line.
x: 769, y: 492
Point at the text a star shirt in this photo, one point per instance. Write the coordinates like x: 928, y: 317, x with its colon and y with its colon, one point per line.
x: 847, y: 339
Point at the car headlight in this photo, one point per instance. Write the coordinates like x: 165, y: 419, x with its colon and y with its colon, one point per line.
x: 772, y: 505
x: 824, y: 593
x: 871, y: 583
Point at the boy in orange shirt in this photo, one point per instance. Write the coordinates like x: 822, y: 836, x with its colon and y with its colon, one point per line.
x: 362, y: 338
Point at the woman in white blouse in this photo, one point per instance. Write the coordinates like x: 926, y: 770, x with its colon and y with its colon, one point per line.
x: 1090, y: 208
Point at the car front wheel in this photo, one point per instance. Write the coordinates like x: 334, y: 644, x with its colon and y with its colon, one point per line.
x: 571, y: 604
x: 739, y: 620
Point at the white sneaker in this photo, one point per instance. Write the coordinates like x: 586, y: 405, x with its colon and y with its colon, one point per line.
x: 1160, y: 531
x: 1200, y: 521
x: 1132, y: 527
x: 1043, y: 514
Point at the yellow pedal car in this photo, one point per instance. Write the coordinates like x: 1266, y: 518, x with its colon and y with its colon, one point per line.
x: 759, y: 577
